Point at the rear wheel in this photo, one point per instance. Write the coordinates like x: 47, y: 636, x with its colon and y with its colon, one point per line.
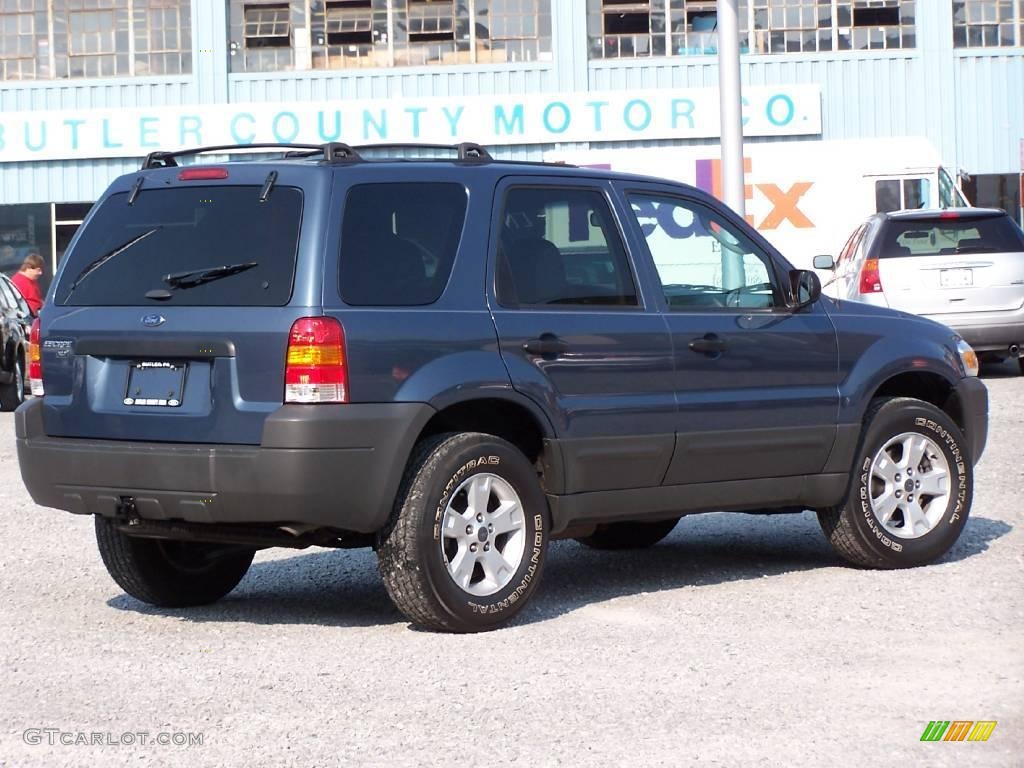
x: 170, y: 574
x: 12, y: 394
x: 910, y: 492
x: 467, y: 546
x: 629, y: 535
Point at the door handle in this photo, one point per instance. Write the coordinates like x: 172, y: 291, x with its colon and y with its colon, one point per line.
x: 709, y: 344
x: 547, y: 345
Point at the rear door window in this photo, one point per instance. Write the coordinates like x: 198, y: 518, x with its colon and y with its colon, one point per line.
x: 170, y: 243
x: 950, y: 237
x: 560, y: 246
x: 398, y: 242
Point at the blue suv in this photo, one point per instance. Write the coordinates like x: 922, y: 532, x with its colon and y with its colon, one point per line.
x: 455, y: 361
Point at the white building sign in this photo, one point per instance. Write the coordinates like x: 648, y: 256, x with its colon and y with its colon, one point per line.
x: 687, y: 113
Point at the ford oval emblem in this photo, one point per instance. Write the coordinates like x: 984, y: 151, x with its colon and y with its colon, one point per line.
x: 152, y: 321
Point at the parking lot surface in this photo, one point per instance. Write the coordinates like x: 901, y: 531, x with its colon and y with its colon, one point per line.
x: 739, y: 640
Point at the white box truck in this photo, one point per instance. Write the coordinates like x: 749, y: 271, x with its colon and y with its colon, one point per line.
x: 805, y: 197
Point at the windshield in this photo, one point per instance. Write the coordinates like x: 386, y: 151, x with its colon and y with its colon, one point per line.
x: 126, y: 251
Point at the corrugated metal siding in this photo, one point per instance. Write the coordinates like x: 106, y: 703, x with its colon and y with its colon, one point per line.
x: 863, y: 95
x: 79, y: 180
x: 990, y: 111
x: 389, y: 84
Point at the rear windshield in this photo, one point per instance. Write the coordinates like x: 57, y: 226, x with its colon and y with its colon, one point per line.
x: 949, y: 237
x: 172, y: 244
x: 398, y: 242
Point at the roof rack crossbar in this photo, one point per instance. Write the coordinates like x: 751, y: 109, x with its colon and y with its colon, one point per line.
x: 467, y: 151
x: 330, y: 150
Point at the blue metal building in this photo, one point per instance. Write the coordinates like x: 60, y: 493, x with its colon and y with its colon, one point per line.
x: 88, y: 87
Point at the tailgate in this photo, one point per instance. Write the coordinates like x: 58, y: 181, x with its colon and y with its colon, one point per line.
x: 952, y: 262
x: 193, y: 379
x: 171, y: 316
x: 942, y: 284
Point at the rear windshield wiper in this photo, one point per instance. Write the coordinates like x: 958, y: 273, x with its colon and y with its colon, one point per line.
x: 97, y: 263
x: 194, y: 277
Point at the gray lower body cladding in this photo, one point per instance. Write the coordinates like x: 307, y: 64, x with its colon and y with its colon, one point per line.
x: 331, y: 466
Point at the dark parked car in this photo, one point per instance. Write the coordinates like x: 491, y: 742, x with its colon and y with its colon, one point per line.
x: 15, y: 320
x: 456, y: 361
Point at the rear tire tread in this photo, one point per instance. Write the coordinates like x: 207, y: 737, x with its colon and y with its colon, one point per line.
x: 139, y: 568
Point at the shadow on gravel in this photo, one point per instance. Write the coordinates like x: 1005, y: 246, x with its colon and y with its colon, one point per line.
x: 342, y: 587
x: 975, y: 538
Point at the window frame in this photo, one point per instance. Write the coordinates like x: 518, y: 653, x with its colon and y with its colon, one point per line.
x: 602, y: 189
x: 778, y: 268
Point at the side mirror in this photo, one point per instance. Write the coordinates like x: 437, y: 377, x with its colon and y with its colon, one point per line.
x: 824, y: 262
x: 806, y: 288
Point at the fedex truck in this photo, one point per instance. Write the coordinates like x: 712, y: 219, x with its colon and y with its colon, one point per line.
x: 806, y: 197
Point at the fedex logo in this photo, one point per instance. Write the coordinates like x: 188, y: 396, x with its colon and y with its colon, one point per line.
x: 785, y: 204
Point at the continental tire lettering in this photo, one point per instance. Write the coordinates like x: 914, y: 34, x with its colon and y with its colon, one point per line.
x: 514, y: 596
x: 453, y: 482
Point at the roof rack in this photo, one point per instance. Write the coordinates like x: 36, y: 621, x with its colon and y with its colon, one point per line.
x: 333, y: 152
x: 468, y: 151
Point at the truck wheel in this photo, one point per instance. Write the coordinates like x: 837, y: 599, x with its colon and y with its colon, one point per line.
x: 12, y: 394
x: 910, y: 491
x: 469, y: 534
x: 629, y: 535
x: 170, y: 574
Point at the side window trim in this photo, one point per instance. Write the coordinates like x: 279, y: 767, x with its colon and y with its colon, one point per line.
x: 618, y: 229
x: 776, y: 270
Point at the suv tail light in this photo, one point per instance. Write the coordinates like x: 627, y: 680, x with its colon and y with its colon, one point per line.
x: 870, y: 278
x: 316, y: 370
x: 35, y: 361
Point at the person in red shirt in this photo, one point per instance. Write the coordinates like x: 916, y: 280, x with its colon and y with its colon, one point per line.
x: 27, y: 281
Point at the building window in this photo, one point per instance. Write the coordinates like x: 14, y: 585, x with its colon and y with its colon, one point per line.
x: 628, y: 29
x: 988, y: 23
x: 340, y: 34
x: 42, y: 39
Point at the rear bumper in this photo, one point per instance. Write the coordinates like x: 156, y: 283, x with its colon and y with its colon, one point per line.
x: 322, y: 465
x: 986, y: 331
x: 973, y: 396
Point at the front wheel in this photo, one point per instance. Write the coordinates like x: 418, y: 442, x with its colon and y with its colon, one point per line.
x: 170, y: 574
x: 910, y: 492
x: 466, y: 547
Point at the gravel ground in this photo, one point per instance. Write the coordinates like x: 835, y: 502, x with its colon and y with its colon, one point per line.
x: 737, y: 641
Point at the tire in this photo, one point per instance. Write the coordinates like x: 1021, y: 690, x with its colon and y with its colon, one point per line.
x: 170, y: 574
x: 436, y: 536
x: 1020, y: 364
x: 629, y: 535
x: 12, y: 394
x: 903, y: 533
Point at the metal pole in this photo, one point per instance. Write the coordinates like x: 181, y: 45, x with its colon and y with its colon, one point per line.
x: 731, y: 95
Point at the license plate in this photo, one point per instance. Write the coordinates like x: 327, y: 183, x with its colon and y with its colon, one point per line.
x: 154, y: 383
x: 956, y: 278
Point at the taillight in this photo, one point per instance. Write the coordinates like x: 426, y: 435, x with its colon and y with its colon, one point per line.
x: 202, y: 174
x: 35, y: 361
x: 870, y: 278
x: 316, y: 371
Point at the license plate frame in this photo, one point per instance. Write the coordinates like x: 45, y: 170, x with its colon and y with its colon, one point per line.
x: 155, y: 384
x: 956, y: 278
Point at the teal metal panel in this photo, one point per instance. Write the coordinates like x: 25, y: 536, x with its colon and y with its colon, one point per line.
x: 990, y: 110
x: 392, y: 83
